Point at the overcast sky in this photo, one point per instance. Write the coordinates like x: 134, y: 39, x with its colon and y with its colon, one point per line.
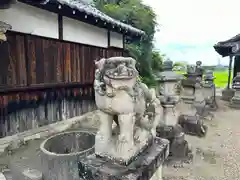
x: 190, y: 28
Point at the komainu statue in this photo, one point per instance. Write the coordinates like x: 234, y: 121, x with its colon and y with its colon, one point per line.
x: 119, y: 93
x: 4, y: 27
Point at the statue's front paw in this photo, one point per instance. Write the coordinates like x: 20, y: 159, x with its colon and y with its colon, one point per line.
x: 122, y: 145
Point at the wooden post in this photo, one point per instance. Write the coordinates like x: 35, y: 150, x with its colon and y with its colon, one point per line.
x: 229, y: 71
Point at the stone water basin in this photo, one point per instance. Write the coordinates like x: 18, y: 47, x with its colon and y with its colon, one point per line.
x: 61, y: 153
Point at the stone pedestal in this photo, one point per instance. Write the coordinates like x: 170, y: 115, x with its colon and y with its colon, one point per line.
x: 209, y: 92
x: 193, y: 125
x: 188, y: 92
x: 235, y: 101
x: 175, y: 135
x: 227, y: 94
x: 146, y: 166
x: 199, y: 94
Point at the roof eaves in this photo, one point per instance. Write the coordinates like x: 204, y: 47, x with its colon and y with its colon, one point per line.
x: 90, y: 10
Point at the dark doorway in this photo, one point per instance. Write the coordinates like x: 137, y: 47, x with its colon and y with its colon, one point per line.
x: 236, y: 67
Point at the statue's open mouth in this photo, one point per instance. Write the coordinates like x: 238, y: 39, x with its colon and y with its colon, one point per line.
x: 121, y: 73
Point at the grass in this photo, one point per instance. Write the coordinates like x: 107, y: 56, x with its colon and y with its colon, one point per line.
x: 221, y: 78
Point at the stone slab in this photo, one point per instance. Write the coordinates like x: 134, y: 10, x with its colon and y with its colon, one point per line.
x: 142, y: 168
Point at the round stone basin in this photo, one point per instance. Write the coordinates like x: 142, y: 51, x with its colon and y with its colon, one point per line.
x: 61, y: 153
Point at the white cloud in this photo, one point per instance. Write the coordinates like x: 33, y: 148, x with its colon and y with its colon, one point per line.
x: 197, y: 23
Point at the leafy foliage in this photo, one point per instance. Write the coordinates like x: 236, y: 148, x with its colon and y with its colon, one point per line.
x: 141, y: 16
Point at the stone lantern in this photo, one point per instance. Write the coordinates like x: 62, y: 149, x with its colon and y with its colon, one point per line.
x: 209, y: 90
x: 192, y: 83
x: 170, y: 129
x: 235, y: 101
x: 190, y: 120
x: 168, y: 82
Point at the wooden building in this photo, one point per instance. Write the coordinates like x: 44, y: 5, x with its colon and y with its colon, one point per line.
x: 47, y: 61
x: 231, y: 48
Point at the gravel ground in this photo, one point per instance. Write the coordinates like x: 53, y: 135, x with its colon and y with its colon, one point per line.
x: 217, y: 156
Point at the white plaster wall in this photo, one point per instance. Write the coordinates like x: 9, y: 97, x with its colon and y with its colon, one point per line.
x: 31, y: 20
x: 79, y: 32
x: 116, y: 40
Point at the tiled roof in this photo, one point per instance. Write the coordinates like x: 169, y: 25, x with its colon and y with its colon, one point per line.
x: 87, y: 8
x: 228, y: 47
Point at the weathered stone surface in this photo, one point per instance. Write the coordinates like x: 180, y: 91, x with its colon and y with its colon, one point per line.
x: 32, y: 174
x: 227, y: 94
x: 2, y: 177
x: 61, y: 153
x: 188, y: 90
x: 134, y: 107
x: 4, y: 27
x: 235, y: 101
x: 192, y: 125
x: 170, y: 129
x: 146, y: 166
x: 175, y: 135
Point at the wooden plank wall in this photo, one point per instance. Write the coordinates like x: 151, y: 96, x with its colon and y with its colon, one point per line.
x: 37, y: 71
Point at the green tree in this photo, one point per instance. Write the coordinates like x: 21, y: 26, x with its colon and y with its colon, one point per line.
x: 141, y: 16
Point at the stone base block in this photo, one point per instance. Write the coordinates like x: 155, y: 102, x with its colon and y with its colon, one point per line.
x: 227, y: 94
x: 192, y: 125
x: 147, y: 165
x: 235, y: 102
x: 234, y: 105
x: 178, y: 145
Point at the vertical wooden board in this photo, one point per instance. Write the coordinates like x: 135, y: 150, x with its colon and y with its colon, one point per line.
x: 95, y: 56
x: 82, y: 65
x: 73, y: 62
x: 39, y: 60
x: 46, y: 60
x: 105, y: 53
x: 4, y: 51
x: 78, y: 59
x: 31, y: 61
x: 11, y: 69
x: 59, y: 75
x: 62, y: 61
x: 67, y: 65
x: 52, y: 61
x: 21, y: 61
x: 86, y: 61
